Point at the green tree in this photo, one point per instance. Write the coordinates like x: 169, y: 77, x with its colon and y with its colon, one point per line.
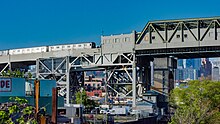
x: 18, y: 112
x: 196, y: 103
x: 81, y: 97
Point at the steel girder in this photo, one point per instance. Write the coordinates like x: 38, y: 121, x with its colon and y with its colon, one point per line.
x: 57, y: 69
x: 7, y: 66
x: 161, y: 28
x: 120, y: 70
x: 121, y: 73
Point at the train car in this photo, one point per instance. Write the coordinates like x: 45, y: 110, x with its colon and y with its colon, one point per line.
x: 48, y: 48
x: 67, y: 47
x: 39, y: 49
x: 15, y: 51
x: 4, y: 52
x: 78, y: 46
x: 26, y: 50
x: 55, y: 48
x: 89, y: 45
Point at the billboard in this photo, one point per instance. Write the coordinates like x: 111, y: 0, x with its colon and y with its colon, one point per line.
x: 12, y: 87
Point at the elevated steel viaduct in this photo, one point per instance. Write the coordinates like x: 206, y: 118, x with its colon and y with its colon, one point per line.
x: 133, y: 63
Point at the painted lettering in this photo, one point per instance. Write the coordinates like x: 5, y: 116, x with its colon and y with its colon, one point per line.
x: 2, y: 83
x: 5, y: 85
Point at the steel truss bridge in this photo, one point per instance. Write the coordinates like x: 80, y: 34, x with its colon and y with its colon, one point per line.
x: 146, y: 61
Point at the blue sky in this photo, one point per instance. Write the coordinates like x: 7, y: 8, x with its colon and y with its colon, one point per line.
x: 26, y: 23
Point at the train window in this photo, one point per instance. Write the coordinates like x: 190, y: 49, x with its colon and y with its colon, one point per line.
x: 63, y: 46
x: 177, y: 36
x: 117, y: 39
x: 79, y: 45
x: 68, y: 46
x: 57, y: 47
x: 18, y: 50
x: 51, y: 47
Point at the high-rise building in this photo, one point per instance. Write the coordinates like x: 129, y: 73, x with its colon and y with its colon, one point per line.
x: 188, y: 69
x: 206, y: 68
x: 180, y: 63
x: 186, y: 74
x: 193, y: 63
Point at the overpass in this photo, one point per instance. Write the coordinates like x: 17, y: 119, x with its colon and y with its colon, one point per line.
x: 143, y: 60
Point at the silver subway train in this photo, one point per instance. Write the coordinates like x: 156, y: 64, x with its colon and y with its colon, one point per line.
x: 48, y: 48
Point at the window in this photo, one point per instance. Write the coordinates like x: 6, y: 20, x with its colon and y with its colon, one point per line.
x: 51, y: 47
x: 93, y: 85
x: 57, y: 47
x: 177, y: 36
x: 18, y: 50
x: 127, y: 39
x: 117, y: 39
x: 68, y: 46
x: 79, y: 45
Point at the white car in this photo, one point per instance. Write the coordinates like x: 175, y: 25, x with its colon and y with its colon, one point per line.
x: 104, y: 111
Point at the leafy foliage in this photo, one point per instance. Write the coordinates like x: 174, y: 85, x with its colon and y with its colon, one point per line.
x: 17, y: 111
x: 83, y: 98
x: 199, y: 102
x: 16, y: 73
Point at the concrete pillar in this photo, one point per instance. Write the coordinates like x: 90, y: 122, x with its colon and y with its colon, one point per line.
x: 67, y: 81
x: 134, y: 76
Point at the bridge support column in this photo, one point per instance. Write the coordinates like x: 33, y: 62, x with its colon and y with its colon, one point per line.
x: 67, y: 81
x: 164, y: 74
x: 145, y: 70
x: 134, y: 84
